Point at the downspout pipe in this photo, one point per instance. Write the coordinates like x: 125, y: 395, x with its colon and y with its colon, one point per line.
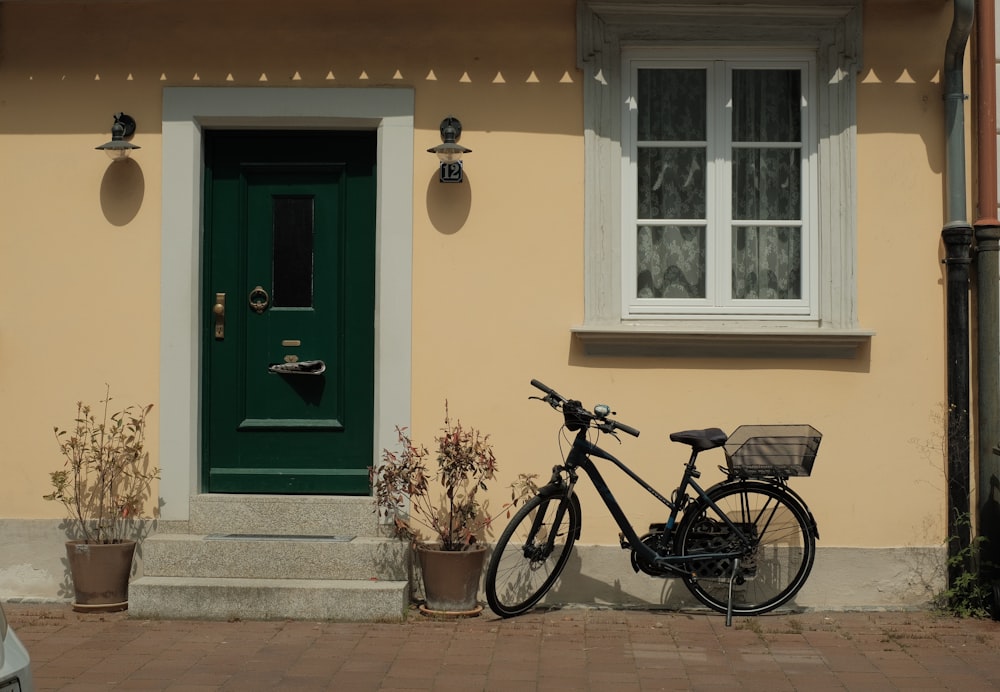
x: 957, y: 235
x: 987, y: 294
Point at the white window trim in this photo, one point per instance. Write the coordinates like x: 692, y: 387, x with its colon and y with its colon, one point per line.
x: 832, y: 32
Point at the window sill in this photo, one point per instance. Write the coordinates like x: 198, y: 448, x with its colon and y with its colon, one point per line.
x: 714, y: 339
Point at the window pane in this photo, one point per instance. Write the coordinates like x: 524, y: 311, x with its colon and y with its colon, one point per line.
x: 767, y: 106
x: 767, y: 184
x: 767, y: 263
x: 671, y: 183
x: 293, y: 252
x: 671, y: 262
x: 671, y: 105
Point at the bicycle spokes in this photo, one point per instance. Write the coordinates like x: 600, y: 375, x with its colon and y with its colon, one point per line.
x: 531, y: 553
x: 769, y: 536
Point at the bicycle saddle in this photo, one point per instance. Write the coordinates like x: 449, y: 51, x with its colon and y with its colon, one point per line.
x: 702, y: 440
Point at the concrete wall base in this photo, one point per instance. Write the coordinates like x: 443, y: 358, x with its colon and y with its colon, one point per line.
x: 841, y: 579
x: 33, y: 567
x: 33, y: 563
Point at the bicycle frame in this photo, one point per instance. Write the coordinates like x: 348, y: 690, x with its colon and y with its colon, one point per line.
x: 579, y: 458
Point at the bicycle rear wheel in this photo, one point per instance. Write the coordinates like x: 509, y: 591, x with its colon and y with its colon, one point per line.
x: 772, y: 571
x: 531, y: 553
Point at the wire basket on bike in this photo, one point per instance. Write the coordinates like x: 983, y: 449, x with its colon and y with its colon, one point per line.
x: 772, y: 451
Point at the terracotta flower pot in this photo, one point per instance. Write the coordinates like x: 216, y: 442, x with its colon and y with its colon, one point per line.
x: 451, y: 578
x: 100, y: 574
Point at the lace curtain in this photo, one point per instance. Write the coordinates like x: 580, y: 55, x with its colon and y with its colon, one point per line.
x: 765, y: 259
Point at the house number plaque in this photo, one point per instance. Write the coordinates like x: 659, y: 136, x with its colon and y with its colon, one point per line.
x: 451, y: 172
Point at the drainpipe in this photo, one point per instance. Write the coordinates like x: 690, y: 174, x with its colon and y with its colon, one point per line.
x: 957, y: 237
x: 987, y: 290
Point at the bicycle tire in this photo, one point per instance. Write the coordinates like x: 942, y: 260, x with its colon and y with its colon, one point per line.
x: 772, y: 572
x: 517, y: 580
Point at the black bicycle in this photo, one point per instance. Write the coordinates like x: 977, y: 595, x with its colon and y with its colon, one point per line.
x: 744, y: 546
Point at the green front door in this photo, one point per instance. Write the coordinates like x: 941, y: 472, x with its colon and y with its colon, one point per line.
x: 289, y: 312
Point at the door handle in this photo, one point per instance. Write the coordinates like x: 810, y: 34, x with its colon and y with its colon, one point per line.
x: 219, y: 310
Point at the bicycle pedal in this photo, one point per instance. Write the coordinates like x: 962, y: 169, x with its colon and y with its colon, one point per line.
x: 621, y: 540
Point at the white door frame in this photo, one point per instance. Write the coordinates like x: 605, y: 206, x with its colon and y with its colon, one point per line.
x: 187, y: 111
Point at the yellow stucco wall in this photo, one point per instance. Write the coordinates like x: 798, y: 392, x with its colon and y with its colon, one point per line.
x: 497, y: 262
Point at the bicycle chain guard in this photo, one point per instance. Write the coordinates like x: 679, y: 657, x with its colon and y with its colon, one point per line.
x: 713, y: 536
x: 641, y: 564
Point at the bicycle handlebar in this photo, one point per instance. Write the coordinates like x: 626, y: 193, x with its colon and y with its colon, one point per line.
x: 600, y: 420
x: 548, y: 390
x: 634, y: 432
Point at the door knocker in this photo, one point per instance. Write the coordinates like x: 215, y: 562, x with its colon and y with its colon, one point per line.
x: 259, y: 299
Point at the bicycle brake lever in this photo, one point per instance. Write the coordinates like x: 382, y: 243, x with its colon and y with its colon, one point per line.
x: 609, y: 430
x: 551, y: 401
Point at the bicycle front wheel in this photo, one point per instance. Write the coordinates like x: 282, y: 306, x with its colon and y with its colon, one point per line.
x: 774, y: 568
x: 531, y: 553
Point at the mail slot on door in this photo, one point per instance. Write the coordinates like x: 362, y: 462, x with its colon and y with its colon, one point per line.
x: 302, y: 367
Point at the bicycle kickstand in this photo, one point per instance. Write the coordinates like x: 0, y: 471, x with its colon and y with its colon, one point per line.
x: 729, y: 604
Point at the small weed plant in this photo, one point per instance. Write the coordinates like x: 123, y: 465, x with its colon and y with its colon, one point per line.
x: 969, y: 595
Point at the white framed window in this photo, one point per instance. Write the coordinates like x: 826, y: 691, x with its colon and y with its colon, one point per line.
x: 720, y: 198
x: 718, y: 186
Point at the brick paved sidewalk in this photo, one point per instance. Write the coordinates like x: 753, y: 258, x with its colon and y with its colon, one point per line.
x: 569, y: 649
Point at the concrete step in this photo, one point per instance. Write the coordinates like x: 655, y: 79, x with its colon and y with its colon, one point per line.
x: 214, y: 598
x: 259, y: 557
x: 195, y: 555
x: 283, y: 515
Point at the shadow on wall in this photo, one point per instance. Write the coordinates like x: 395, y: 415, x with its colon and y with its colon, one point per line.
x: 503, y: 72
x: 448, y: 204
x: 900, y: 85
x: 575, y: 587
x: 122, y: 190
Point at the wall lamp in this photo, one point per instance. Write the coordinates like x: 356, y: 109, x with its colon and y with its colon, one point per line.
x: 449, y: 152
x: 119, y: 148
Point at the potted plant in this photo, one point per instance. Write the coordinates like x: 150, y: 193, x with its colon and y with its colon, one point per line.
x: 444, y: 502
x: 104, y: 484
